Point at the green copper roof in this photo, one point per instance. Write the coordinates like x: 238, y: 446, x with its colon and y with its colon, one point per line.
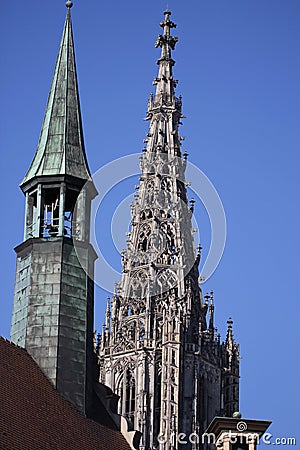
x: 61, y: 147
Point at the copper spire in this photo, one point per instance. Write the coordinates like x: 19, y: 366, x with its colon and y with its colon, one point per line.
x: 61, y: 146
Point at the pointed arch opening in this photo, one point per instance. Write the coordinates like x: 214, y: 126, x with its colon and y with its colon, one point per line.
x: 126, y: 390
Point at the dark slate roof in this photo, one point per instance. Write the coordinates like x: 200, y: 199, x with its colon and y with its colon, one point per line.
x: 61, y: 147
x: 34, y: 416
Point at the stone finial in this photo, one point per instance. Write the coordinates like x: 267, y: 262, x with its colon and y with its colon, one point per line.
x: 192, y: 203
x: 69, y: 4
x: 167, y: 22
x: 207, y: 297
x: 230, y: 323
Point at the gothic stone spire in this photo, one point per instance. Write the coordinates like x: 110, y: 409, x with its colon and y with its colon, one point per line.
x: 161, y: 241
x: 159, y: 355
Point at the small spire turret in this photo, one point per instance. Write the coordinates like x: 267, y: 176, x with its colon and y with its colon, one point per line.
x: 108, y: 314
x: 211, y: 312
x: 229, y: 337
x: 232, y: 375
x: 206, y: 298
x: 192, y: 203
x: 165, y: 83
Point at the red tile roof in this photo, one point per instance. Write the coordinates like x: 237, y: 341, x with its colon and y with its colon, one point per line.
x: 34, y: 416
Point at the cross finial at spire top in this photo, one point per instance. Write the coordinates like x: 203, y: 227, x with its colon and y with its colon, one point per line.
x: 167, y: 23
x: 230, y: 323
x: 166, y: 41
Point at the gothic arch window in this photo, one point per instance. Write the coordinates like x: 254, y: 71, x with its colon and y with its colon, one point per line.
x: 172, y: 376
x: 151, y: 170
x: 127, y: 392
x: 150, y: 184
x: 164, y: 198
x: 172, y: 393
x: 136, y: 262
x: 147, y: 214
x: 149, y: 192
x: 142, y: 334
x: 173, y: 358
x: 144, y: 236
x: 166, y: 184
x: 180, y: 189
x: 166, y: 280
x: 159, y: 330
x: 163, y: 214
x: 174, y: 326
x: 131, y: 331
x: 165, y: 169
x: 135, y: 306
x: 169, y: 253
x: 169, y: 232
x: 135, y: 290
x: 157, y: 398
x: 139, y: 285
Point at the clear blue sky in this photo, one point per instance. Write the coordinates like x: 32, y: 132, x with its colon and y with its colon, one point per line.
x: 238, y: 65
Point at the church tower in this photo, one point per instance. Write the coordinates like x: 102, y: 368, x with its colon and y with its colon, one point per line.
x: 159, y: 350
x: 54, y: 294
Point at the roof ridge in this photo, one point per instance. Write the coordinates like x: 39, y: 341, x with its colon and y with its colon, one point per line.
x: 3, y: 338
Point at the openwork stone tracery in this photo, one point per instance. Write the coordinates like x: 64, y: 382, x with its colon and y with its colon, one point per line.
x: 157, y: 351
